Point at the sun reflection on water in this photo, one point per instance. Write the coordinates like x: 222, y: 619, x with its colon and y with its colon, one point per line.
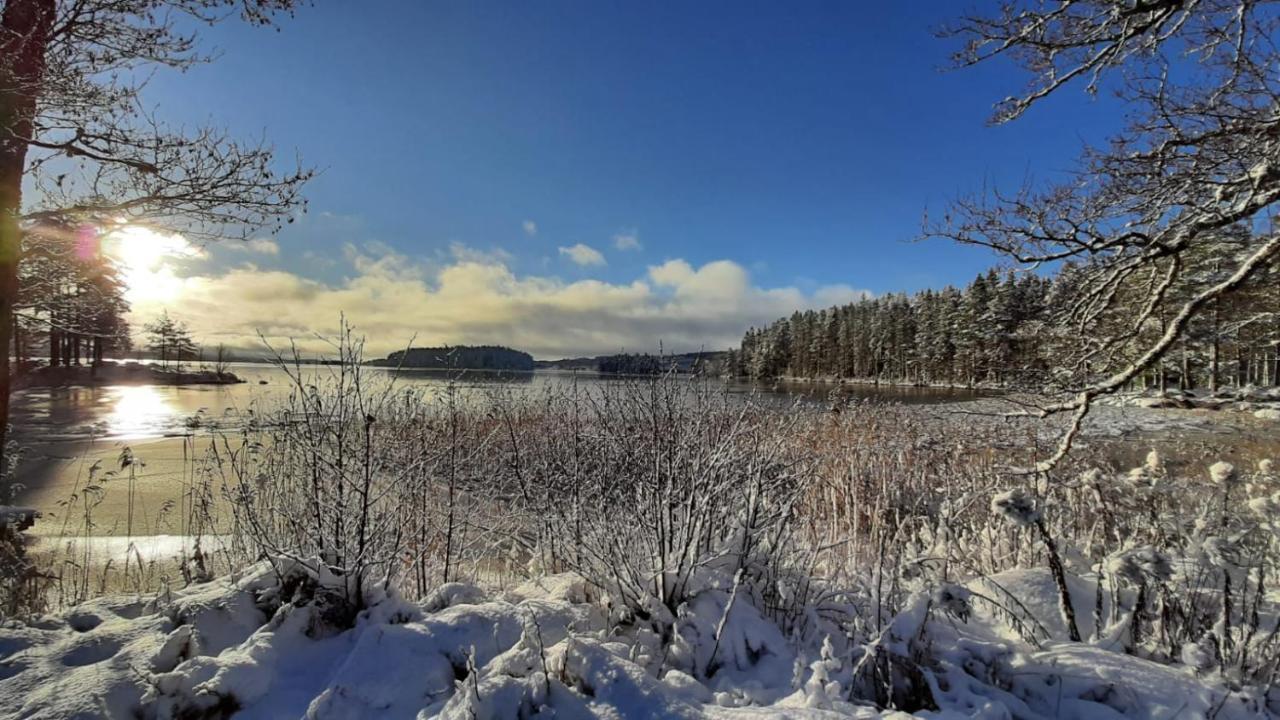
x: 137, y: 411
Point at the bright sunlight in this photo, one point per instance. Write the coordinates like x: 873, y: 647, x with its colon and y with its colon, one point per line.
x: 147, y: 257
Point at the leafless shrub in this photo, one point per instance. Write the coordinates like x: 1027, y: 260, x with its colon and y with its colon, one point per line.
x: 655, y: 489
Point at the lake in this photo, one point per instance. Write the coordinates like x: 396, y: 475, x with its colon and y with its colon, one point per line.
x: 141, y: 412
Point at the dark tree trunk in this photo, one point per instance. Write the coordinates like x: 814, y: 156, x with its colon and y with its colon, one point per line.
x: 24, y: 33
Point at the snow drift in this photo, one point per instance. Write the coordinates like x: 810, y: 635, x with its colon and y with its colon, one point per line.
x: 262, y: 646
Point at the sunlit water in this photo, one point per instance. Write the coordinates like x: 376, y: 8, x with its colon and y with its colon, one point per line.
x: 138, y: 412
x: 116, y: 549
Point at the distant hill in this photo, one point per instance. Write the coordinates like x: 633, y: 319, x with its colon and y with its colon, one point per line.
x: 711, y: 363
x: 459, y: 357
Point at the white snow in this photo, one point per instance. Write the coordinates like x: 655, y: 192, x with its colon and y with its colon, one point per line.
x: 547, y: 649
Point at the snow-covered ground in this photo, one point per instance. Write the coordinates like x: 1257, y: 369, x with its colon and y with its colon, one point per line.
x: 255, y: 647
x: 1157, y: 417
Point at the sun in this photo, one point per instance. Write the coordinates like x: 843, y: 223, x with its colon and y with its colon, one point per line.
x: 141, y: 248
x: 146, y: 260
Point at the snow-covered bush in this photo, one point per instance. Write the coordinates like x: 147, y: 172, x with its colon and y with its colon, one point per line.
x: 24, y: 587
x: 365, y: 483
x: 1017, y: 506
x: 667, y: 495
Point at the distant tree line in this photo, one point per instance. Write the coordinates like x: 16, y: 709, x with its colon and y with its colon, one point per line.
x: 462, y: 357
x: 632, y: 364
x: 704, y: 362
x: 1011, y: 329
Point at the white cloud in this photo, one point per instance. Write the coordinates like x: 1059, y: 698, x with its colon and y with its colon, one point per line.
x: 583, y: 255
x: 530, y: 227
x: 476, y: 298
x: 260, y: 246
x: 318, y: 260
x: 628, y: 240
x: 830, y: 295
x: 466, y: 253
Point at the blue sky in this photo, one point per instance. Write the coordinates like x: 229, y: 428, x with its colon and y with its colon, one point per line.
x: 799, y: 141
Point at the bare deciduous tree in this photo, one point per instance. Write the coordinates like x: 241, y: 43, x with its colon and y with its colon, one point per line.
x: 1195, y: 166
x: 76, y: 134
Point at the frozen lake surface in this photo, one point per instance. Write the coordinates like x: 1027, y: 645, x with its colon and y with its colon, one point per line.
x: 140, y: 412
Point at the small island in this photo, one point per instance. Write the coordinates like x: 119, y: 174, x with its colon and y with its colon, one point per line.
x: 120, y: 373
x: 459, y: 357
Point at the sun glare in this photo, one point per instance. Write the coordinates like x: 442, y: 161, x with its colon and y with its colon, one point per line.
x: 147, y: 257
x: 139, y: 411
x: 140, y: 248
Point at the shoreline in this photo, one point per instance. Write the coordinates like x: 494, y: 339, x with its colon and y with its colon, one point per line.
x: 115, y: 373
x: 869, y: 382
x: 1248, y: 399
x: 54, y: 466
